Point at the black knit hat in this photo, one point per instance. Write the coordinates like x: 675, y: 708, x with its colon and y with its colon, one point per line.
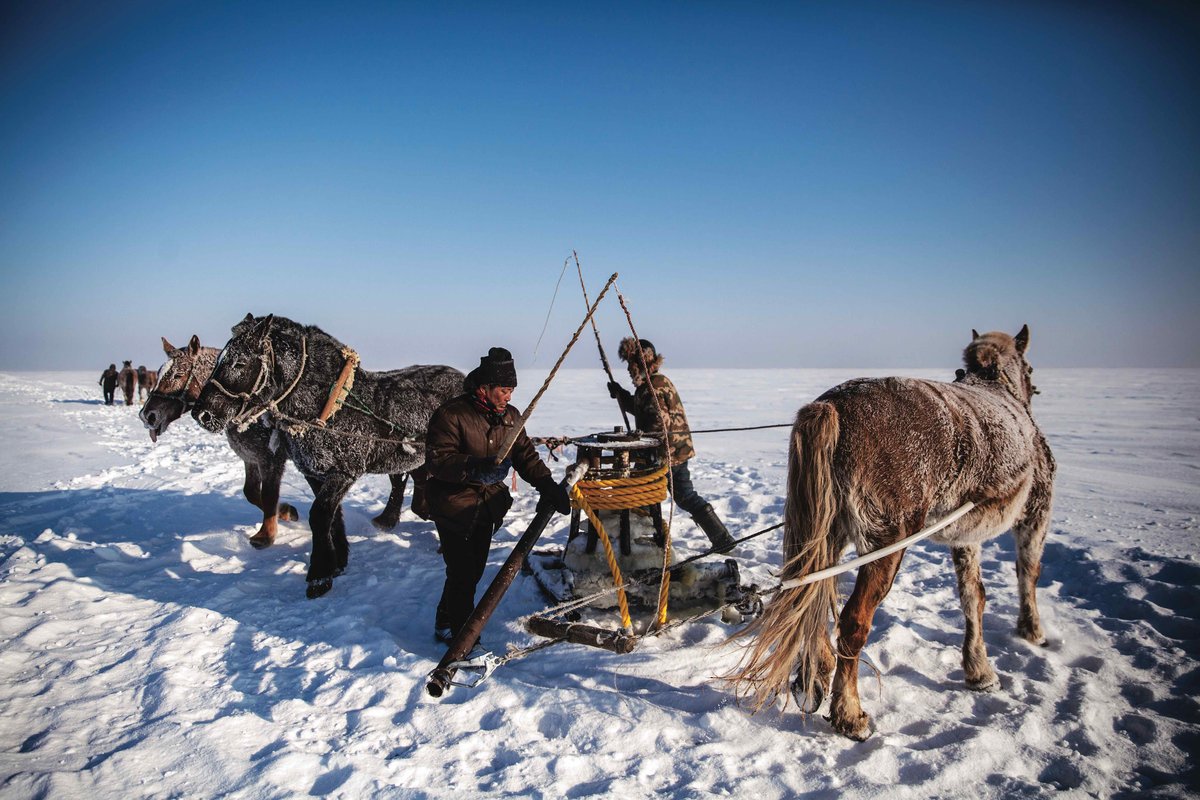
x: 495, y: 369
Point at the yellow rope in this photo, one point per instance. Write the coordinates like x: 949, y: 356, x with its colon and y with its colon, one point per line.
x: 616, y: 494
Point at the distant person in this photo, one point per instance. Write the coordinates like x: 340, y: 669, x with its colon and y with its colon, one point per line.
x: 108, y: 382
x: 128, y: 381
x: 645, y: 411
x: 465, y: 492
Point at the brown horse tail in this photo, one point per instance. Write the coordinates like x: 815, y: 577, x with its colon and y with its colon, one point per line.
x: 793, y: 629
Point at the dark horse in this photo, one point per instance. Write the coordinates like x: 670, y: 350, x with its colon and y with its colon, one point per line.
x: 870, y: 463
x: 338, y: 420
x: 178, y: 387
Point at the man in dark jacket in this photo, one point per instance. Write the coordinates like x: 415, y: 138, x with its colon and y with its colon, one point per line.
x: 108, y: 382
x: 466, y: 495
x: 641, y: 403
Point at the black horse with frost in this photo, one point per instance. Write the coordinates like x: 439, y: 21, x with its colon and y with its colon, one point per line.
x: 338, y: 420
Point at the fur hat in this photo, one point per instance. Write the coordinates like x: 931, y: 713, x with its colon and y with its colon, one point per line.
x: 628, y: 351
x: 495, y: 369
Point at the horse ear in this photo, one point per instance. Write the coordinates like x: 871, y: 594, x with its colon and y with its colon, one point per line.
x: 974, y: 334
x: 194, y: 344
x: 264, y: 325
x: 167, y: 346
x: 1022, y: 339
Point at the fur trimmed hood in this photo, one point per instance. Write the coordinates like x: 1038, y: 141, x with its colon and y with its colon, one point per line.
x: 628, y: 350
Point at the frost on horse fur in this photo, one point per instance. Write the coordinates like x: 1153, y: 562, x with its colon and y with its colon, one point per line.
x: 286, y: 373
x: 874, y: 460
x: 177, y: 389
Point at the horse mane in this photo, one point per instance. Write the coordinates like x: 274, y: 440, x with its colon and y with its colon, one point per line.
x: 288, y: 325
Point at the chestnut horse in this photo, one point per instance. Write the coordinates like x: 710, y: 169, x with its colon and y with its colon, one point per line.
x: 870, y: 463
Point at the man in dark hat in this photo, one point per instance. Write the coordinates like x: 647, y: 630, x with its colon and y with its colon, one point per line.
x: 641, y: 403
x: 108, y: 382
x: 465, y: 493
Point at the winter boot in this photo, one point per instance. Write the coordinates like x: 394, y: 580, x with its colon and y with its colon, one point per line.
x: 714, y: 529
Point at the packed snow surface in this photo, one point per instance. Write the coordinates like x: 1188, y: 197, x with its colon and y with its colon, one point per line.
x: 148, y: 651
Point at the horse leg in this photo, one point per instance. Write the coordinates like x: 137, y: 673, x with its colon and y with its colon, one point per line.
x: 252, y: 486
x: 271, y: 477
x: 1031, y: 539
x: 324, y: 521
x: 341, y: 545
x: 390, y: 515
x: 980, y: 675
x: 873, y: 583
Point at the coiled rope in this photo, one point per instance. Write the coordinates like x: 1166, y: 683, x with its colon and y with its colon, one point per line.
x: 615, y: 494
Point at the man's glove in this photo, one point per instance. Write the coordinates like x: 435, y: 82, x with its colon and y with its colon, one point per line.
x: 616, y: 391
x: 554, y: 497
x: 484, y: 469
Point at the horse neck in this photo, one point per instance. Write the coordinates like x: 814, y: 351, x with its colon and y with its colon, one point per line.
x: 202, y: 367
x: 303, y: 360
x: 1003, y: 386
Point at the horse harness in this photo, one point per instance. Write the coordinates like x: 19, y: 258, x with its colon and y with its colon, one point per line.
x: 339, y: 395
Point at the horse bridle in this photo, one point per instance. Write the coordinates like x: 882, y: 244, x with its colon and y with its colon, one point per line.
x: 247, y: 413
x: 180, y: 396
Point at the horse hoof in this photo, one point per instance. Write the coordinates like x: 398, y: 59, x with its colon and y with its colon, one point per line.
x: 858, y: 729
x: 261, y: 542
x: 288, y: 513
x: 318, y: 587
x: 384, y: 523
x: 803, y: 700
x: 988, y: 683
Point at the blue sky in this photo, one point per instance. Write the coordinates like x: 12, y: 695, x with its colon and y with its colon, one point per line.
x: 793, y: 185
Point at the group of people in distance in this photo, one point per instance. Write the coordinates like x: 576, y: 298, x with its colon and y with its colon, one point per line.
x: 140, y: 380
x: 466, y: 496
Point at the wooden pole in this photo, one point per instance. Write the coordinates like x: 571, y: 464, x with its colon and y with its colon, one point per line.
x: 599, y: 345
x: 465, y: 639
x: 520, y: 426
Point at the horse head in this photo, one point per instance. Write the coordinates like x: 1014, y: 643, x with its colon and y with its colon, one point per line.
x: 1000, y: 358
x: 178, y: 386
x: 257, y: 370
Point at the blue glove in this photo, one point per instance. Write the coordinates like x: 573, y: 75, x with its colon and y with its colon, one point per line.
x: 484, y: 469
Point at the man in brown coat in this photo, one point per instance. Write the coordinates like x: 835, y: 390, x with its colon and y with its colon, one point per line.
x: 466, y: 495
x: 642, y: 404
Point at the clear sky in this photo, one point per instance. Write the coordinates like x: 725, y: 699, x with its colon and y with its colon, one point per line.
x: 778, y: 184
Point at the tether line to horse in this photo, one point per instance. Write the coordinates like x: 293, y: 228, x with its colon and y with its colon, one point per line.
x: 555, y: 442
x: 487, y: 663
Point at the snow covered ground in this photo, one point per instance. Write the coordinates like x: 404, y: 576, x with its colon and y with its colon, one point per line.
x: 146, y: 650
